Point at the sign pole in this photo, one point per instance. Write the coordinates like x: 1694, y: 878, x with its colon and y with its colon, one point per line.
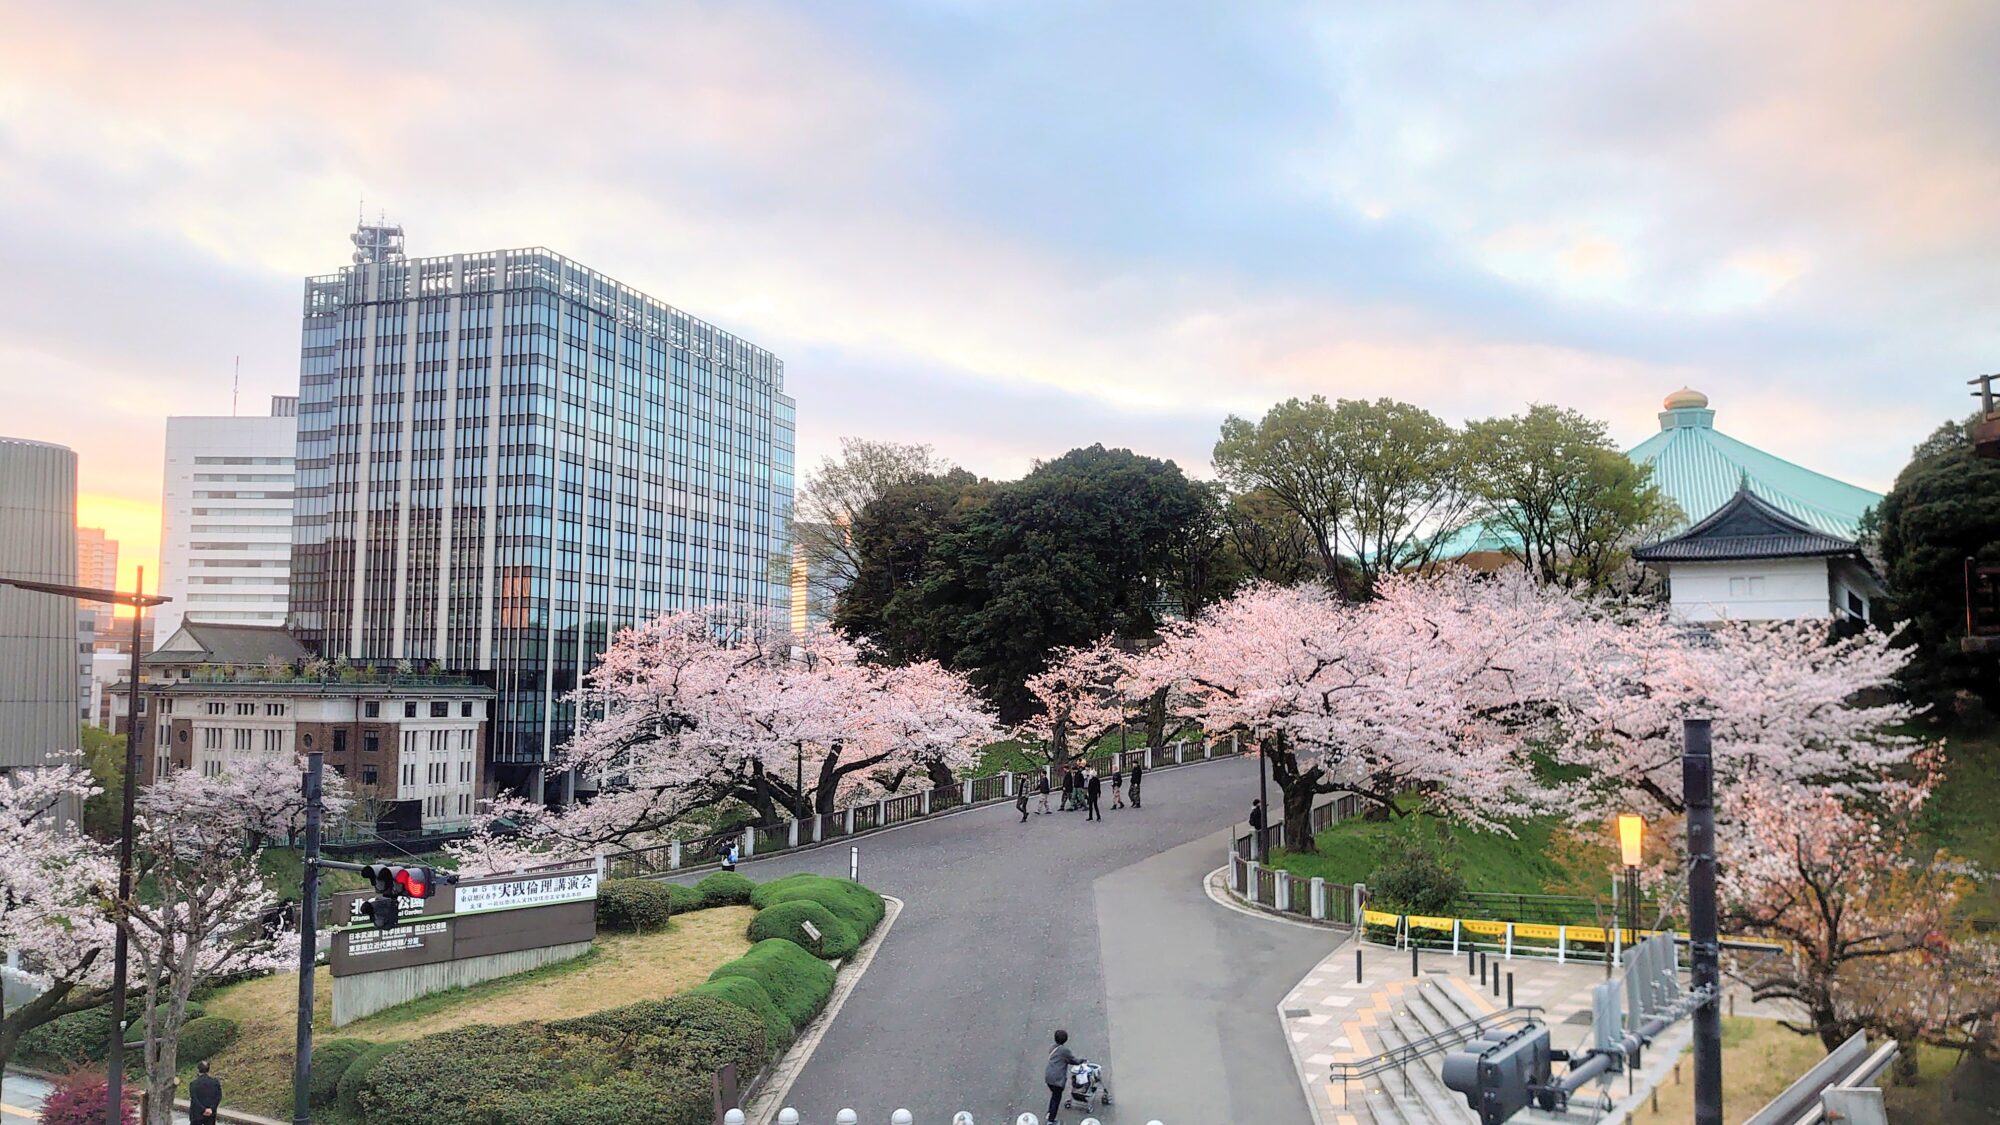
x: 308, y: 944
x: 1698, y: 792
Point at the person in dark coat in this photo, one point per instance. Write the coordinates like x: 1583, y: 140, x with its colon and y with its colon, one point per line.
x: 1069, y: 789
x: 1257, y: 828
x: 1117, y: 786
x: 1138, y: 771
x: 1091, y: 791
x: 1021, y: 802
x: 1042, y: 787
x: 1057, y: 1073
x: 204, y: 1096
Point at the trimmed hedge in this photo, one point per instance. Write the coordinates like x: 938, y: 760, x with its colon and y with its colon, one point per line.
x: 798, y: 982
x: 750, y: 996
x: 674, y: 1097
x: 205, y: 1038
x: 855, y: 904
x: 69, y: 1041
x: 725, y: 888
x: 456, y: 1077
x: 330, y: 1061
x: 347, y: 1097
x: 837, y: 939
x: 685, y: 898
x: 638, y: 905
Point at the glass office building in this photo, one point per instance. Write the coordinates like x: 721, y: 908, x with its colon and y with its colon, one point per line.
x: 504, y: 458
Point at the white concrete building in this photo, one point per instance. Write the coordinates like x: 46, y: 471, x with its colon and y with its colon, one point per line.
x: 226, y: 519
x: 1750, y: 561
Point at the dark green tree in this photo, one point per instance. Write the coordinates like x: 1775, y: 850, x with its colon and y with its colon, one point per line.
x: 890, y: 541
x: 104, y: 757
x: 1944, y: 509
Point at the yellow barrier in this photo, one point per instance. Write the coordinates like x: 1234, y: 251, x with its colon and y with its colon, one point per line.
x: 1482, y: 926
x: 1588, y: 933
x: 1424, y: 922
x: 1536, y: 930
x: 1379, y: 918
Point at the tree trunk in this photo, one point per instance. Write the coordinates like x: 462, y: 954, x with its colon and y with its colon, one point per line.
x: 1298, y: 818
x: 1296, y: 790
x: 1156, y: 719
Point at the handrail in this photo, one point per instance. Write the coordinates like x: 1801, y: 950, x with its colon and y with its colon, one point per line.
x: 1436, y: 1043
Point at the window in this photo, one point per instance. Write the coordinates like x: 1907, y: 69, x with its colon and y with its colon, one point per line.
x: 368, y: 775
x: 371, y: 710
x: 465, y: 739
x: 465, y: 771
x: 464, y: 803
x: 274, y: 709
x: 274, y: 741
x: 465, y: 710
x: 240, y: 739
x: 340, y: 742
x: 217, y: 708
x: 1746, y: 587
x: 246, y: 708
x: 440, y: 709
x: 410, y: 710
x: 211, y: 738
x: 371, y: 742
x: 166, y: 706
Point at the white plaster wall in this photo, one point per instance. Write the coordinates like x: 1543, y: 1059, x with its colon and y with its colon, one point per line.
x: 1791, y: 588
x: 247, y: 585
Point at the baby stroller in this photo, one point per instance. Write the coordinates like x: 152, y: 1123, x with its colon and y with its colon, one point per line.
x: 1086, y: 1081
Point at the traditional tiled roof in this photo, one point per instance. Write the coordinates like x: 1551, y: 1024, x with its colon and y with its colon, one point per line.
x: 202, y: 642
x: 1747, y: 527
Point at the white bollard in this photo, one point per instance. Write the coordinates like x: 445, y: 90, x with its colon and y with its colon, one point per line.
x: 1027, y: 1119
x: 846, y: 1117
x: 734, y: 1117
x: 788, y: 1116
x: 1091, y: 1121
x: 901, y: 1117
x: 854, y: 862
x: 961, y: 1118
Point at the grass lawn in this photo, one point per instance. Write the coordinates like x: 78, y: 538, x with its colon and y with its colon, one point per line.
x: 1961, y: 815
x: 1544, y: 856
x: 256, y: 1070
x: 1759, y: 1059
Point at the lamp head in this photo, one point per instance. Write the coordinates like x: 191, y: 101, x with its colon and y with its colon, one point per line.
x: 1631, y: 834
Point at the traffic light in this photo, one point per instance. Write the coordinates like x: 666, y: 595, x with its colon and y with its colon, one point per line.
x: 1499, y: 1077
x: 392, y: 883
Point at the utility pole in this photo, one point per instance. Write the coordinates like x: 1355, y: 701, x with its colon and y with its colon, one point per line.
x: 308, y: 943
x: 1264, y: 803
x: 1698, y: 792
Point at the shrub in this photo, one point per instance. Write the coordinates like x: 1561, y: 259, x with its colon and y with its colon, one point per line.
x: 456, y: 1077
x: 78, y: 1099
x: 638, y: 905
x: 798, y: 982
x: 750, y: 996
x: 1413, y: 876
x: 704, y: 1034
x: 677, y: 1096
x: 725, y: 888
x: 853, y: 903
x: 685, y: 898
x: 330, y: 1061
x: 347, y: 1097
x: 69, y: 1041
x: 787, y: 920
x: 205, y: 1038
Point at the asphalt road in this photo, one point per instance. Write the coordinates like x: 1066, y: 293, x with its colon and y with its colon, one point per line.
x: 1010, y: 930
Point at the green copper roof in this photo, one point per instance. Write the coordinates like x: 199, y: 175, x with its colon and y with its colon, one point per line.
x: 1702, y: 467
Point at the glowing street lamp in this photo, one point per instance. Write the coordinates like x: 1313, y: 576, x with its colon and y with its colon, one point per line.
x: 1631, y: 843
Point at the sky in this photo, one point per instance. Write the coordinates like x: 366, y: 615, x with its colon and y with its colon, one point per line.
x: 1010, y: 228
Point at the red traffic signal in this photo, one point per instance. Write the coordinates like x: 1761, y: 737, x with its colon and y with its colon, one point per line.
x: 409, y: 882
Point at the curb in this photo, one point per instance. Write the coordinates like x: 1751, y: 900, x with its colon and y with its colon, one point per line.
x: 775, y: 1083
x: 1216, y: 885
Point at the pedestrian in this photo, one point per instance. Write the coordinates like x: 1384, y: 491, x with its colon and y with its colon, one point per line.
x: 729, y: 857
x: 204, y: 1096
x: 1021, y: 802
x: 1092, y: 789
x: 1117, y: 786
x: 1138, y: 771
x: 1257, y: 827
x: 1042, y: 787
x: 1069, y: 789
x: 1056, y: 1074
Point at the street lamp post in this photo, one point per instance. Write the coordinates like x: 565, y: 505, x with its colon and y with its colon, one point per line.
x: 114, y: 1057
x: 1631, y: 836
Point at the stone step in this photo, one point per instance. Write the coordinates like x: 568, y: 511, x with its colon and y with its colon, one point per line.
x: 1422, y: 1081
x: 1459, y: 995
x: 1431, y: 1012
x: 1382, y: 1108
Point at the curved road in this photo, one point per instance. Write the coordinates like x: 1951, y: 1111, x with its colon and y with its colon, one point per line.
x: 1010, y: 930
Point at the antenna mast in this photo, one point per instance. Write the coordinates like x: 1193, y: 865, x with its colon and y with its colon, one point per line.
x: 235, y: 385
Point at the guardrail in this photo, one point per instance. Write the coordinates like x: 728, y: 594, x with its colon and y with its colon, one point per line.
x: 1435, y: 1043
x: 887, y: 812
x: 1562, y: 944
x: 1277, y: 891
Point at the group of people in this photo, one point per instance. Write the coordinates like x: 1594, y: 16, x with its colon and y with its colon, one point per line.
x: 1083, y: 788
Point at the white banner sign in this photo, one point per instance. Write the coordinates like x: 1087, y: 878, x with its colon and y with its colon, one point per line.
x: 539, y: 890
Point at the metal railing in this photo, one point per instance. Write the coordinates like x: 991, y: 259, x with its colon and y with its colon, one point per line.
x: 1436, y: 1043
x: 790, y: 1116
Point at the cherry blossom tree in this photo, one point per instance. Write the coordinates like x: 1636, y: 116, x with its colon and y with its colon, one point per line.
x: 274, y: 802
x: 681, y: 716
x: 1869, y: 914
x: 1082, y: 695
x: 1790, y: 705
x: 52, y: 910
x: 202, y: 913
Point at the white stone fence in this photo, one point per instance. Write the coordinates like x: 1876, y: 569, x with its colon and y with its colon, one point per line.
x: 870, y: 816
x: 901, y: 1117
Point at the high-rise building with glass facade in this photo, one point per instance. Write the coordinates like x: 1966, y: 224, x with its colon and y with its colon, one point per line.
x: 504, y: 458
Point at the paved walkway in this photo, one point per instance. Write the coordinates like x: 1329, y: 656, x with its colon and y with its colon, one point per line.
x: 1010, y: 930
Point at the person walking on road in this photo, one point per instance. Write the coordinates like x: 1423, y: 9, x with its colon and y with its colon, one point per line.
x: 1138, y: 771
x: 1021, y: 802
x: 1257, y: 829
x: 204, y: 1096
x: 1042, y: 787
x: 1057, y: 1073
x: 1069, y: 789
x: 729, y: 857
x: 1092, y: 790
x: 1117, y: 786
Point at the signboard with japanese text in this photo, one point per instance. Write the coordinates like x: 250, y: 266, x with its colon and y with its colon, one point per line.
x: 475, y: 918
x: 541, y: 890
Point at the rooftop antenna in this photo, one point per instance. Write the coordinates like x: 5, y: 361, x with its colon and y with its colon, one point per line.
x: 235, y: 385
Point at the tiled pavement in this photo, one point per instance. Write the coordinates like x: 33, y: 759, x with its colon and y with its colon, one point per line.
x: 1329, y: 1017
